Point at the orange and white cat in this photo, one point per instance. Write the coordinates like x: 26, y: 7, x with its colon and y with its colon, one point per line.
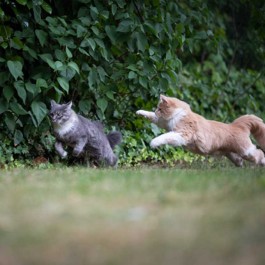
x: 199, y: 135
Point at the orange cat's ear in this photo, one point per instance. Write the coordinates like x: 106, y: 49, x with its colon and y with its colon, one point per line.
x: 163, y: 99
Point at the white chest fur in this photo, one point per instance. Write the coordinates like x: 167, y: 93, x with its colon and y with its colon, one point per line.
x: 66, y: 127
x: 176, y: 118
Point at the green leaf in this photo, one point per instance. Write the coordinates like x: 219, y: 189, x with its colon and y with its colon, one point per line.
x: 20, y: 87
x: 63, y: 83
x: 85, y: 106
x: 22, y: 2
x: 141, y: 41
x: 39, y: 111
x: 92, y: 43
x: 10, y: 121
x: 102, y: 104
x: 113, y: 9
x: 46, y: 56
x: 101, y: 73
x: 94, y: 12
x: 109, y: 94
x: 100, y: 43
x: 92, y: 77
x: 132, y: 75
x: 18, y: 109
x: 88, y: 43
x: 46, y: 7
x: 125, y: 26
x: 3, y: 105
x: 143, y: 81
x: 31, y: 88
x: 74, y: 66
x: 80, y: 31
x: 201, y: 35
x: 95, y: 30
x: 30, y: 51
x: 18, y: 137
x: 37, y: 13
x: 112, y: 34
x: 16, y: 43
x: 84, y: 52
x: 59, y: 66
x: 68, y: 53
x: 15, y: 68
x: 41, y: 83
x: 42, y: 36
x: 8, y: 92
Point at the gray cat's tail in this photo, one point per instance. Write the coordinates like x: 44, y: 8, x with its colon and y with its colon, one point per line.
x: 114, y: 138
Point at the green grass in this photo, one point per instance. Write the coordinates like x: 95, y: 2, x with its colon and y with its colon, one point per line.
x: 132, y: 216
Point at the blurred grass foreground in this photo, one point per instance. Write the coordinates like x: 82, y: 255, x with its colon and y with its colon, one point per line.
x: 138, y: 216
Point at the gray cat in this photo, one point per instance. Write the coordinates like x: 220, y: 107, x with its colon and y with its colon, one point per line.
x: 86, y: 137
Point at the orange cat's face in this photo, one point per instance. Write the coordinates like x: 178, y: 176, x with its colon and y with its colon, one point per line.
x: 167, y: 107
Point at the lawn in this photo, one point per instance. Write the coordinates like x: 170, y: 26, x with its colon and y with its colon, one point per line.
x: 132, y: 216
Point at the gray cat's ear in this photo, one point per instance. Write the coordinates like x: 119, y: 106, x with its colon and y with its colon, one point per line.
x: 69, y: 104
x: 53, y: 103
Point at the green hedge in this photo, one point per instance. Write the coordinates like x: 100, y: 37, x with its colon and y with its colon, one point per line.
x: 113, y: 57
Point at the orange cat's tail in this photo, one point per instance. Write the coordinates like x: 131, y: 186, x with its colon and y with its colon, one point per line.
x: 255, y: 126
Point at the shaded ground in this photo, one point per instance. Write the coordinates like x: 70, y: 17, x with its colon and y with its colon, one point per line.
x: 143, y: 216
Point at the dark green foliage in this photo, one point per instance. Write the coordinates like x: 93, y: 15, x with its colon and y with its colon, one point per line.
x: 113, y: 57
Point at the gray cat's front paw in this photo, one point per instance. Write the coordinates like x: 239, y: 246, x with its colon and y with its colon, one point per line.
x: 64, y: 155
x: 76, y: 153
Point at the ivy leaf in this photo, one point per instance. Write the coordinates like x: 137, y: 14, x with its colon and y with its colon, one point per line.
x: 68, y: 53
x: 39, y: 111
x: 92, y: 43
x: 101, y: 73
x: 41, y: 83
x: 46, y: 7
x: 58, y: 66
x: 85, y: 105
x: 31, y: 88
x: 42, y: 36
x: 74, y: 66
x: 132, y: 75
x: 10, y: 121
x: 125, y: 26
x: 92, y: 77
x: 113, y: 9
x: 112, y: 34
x: 102, y: 103
x: 18, y: 109
x: 15, y: 68
x: 63, y: 83
x: 89, y: 42
x: 20, y: 87
x: 18, y: 137
x: 22, y: 2
x: 3, y: 105
x: 8, y: 92
x: 141, y: 41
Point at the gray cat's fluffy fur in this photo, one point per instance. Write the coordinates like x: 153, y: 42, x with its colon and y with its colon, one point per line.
x: 86, y: 137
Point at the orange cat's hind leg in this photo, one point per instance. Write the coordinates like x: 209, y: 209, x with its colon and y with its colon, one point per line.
x: 254, y: 155
x: 235, y: 158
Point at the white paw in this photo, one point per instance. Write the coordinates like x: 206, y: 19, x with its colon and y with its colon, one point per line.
x: 262, y: 162
x: 155, y: 143
x: 140, y: 112
x: 64, y: 154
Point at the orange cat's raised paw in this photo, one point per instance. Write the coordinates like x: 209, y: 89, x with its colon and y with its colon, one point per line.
x: 141, y: 112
